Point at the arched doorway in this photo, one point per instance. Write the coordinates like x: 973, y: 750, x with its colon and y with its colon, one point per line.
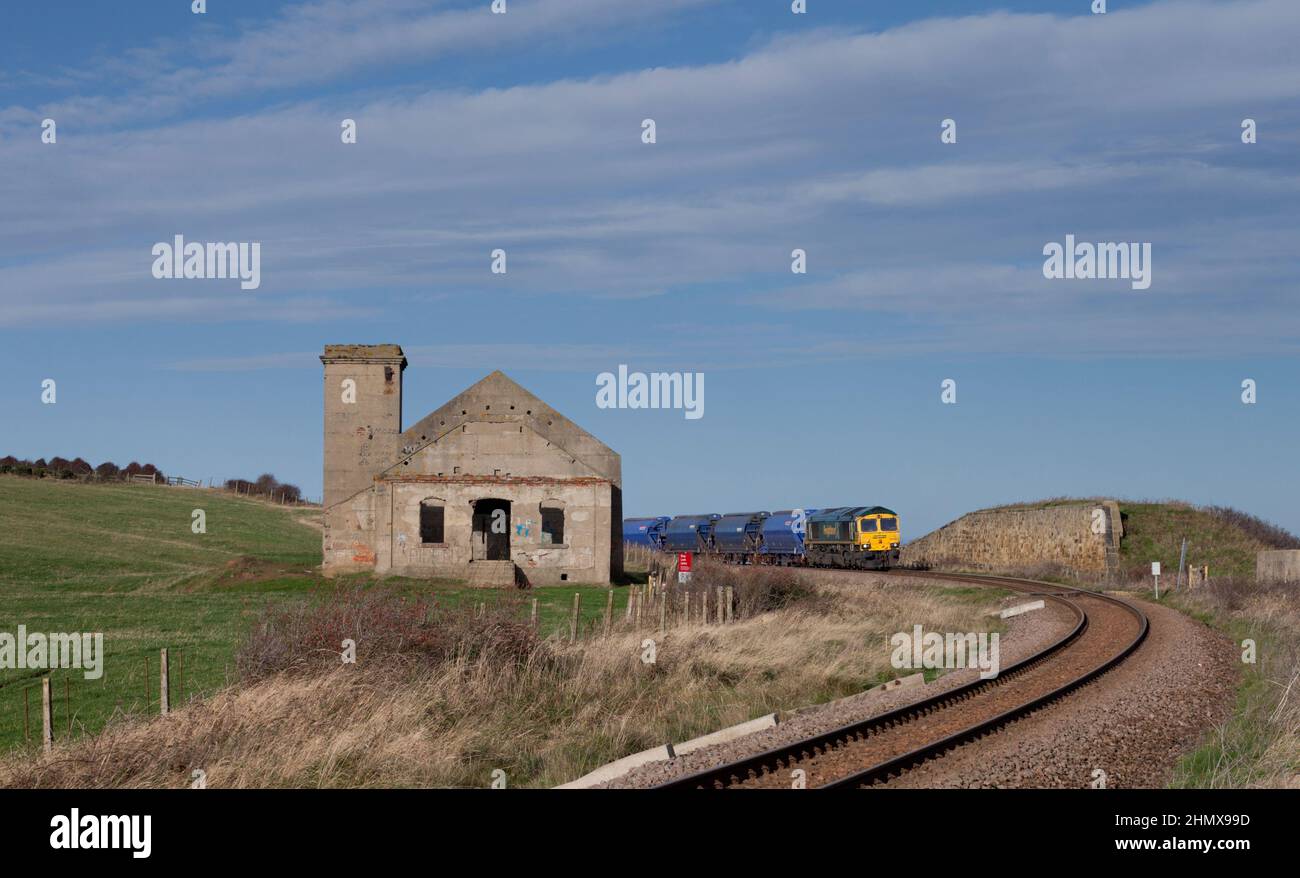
x: 491, y: 530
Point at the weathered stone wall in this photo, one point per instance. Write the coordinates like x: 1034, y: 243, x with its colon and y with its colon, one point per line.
x: 584, y: 556
x: 1278, y: 565
x: 349, y: 536
x: 1016, y: 539
x: 495, y: 445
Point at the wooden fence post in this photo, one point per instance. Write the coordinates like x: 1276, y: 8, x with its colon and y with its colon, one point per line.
x: 146, y: 684
x: 573, y: 622
x: 718, y: 598
x: 609, y: 610
x: 27, y: 727
x: 67, y: 702
x: 532, y: 619
x: 47, y: 715
x: 164, y: 697
x: 731, y: 598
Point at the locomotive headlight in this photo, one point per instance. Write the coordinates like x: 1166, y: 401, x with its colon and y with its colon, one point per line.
x: 893, y: 545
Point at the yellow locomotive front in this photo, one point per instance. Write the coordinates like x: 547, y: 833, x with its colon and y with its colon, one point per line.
x: 878, y: 532
x: 848, y: 536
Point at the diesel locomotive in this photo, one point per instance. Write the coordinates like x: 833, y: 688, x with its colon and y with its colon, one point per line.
x: 862, y: 537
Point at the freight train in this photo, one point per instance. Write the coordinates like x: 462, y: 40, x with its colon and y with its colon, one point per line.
x: 864, y: 537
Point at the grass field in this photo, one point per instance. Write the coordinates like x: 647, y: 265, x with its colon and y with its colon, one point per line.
x: 122, y: 560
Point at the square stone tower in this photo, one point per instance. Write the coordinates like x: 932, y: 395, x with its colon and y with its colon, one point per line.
x: 363, y: 420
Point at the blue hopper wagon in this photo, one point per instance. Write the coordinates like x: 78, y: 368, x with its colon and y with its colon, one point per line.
x: 737, y: 536
x: 783, y: 535
x: 648, y: 532
x: 690, y: 533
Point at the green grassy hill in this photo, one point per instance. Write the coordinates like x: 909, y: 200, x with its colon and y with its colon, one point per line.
x: 122, y: 560
x: 1224, y: 539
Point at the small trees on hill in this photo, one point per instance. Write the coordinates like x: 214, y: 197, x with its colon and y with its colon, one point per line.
x: 267, y: 486
x: 77, y: 468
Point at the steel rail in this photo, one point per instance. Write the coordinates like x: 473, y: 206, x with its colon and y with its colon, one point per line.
x: 788, y: 755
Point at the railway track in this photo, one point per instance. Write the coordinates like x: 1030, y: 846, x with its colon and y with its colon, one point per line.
x: 867, y: 752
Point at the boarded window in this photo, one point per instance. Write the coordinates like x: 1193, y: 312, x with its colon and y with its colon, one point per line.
x: 553, y: 522
x: 431, y: 519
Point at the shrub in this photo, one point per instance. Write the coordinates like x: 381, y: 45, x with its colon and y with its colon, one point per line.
x: 757, y: 588
x: 387, y: 628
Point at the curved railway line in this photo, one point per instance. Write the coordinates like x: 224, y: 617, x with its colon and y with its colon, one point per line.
x: 1105, y: 631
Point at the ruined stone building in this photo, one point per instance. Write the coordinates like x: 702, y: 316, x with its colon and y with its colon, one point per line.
x: 495, y: 486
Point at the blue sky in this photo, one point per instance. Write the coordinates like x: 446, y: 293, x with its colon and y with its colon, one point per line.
x: 775, y: 132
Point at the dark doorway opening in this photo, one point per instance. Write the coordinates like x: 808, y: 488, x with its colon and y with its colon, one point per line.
x: 491, y: 537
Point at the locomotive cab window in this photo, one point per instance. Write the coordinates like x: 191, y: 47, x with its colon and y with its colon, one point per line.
x: 867, y: 525
x: 889, y: 524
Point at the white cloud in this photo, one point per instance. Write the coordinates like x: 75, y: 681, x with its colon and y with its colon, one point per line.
x: 827, y: 142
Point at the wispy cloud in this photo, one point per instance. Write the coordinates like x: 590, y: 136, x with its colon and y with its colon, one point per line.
x: 311, y: 44
x: 828, y: 142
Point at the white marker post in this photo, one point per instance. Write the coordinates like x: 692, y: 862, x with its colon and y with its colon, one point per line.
x: 1155, y: 571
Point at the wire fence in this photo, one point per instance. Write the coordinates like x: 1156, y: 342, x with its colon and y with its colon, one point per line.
x: 62, y: 703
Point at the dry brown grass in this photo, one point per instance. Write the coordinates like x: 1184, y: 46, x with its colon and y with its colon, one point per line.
x: 1260, y: 745
x: 549, y: 718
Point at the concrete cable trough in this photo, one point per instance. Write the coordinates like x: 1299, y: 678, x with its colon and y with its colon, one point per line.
x: 1106, y: 630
